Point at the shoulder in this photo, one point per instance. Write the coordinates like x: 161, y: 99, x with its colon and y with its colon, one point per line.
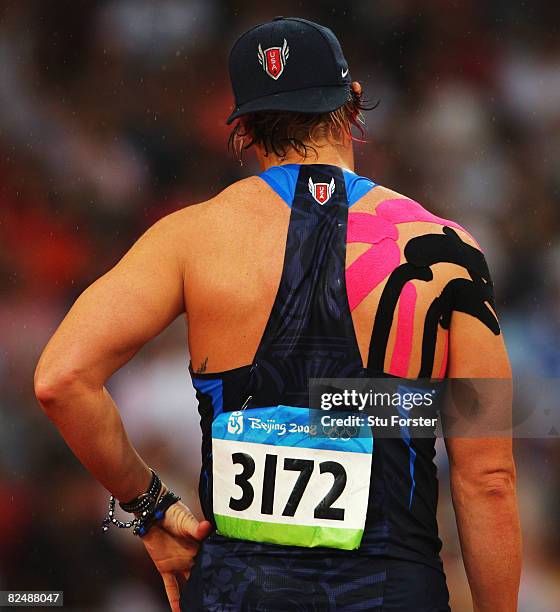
x: 409, y: 217
x: 212, y: 214
x: 216, y: 227
x: 230, y: 199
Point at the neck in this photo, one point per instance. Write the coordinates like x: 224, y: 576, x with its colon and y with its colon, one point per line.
x: 327, y: 153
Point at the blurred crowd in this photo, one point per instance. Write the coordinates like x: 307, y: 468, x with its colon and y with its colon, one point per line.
x: 112, y: 115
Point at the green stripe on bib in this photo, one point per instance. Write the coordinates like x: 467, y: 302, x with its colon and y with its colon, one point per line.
x: 289, y: 535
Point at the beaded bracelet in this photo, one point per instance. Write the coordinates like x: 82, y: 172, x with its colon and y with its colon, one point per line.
x: 149, y: 508
x: 146, y: 522
x: 111, y: 520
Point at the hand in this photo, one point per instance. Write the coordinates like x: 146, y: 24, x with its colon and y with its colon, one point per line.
x: 172, y: 544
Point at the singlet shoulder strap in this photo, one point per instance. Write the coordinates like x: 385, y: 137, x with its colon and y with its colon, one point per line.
x: 283, y: 180
x: 356, y: 186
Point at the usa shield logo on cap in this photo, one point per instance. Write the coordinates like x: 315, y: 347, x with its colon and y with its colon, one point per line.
x: 273, y: 60
x: 321, y: 192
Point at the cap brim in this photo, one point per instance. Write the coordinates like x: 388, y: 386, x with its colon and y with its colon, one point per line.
x: 310, y: 100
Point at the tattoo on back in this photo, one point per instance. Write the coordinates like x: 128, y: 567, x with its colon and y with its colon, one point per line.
x: 202, y: 367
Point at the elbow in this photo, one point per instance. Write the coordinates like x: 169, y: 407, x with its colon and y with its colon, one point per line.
x: 498, y: 483
x: 54, y: 383
x: 51, y: 384
x: 494, y: 483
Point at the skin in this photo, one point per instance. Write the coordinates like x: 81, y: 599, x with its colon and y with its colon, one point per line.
x: 214, y: 263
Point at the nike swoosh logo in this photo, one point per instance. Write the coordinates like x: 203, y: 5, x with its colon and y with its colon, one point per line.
x: 344, y: 73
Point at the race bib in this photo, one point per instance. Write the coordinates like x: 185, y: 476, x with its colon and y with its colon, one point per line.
x: 275, y: 479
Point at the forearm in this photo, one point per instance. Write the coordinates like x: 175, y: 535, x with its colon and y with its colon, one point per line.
x: 489, y: 531
x: 88, y: 420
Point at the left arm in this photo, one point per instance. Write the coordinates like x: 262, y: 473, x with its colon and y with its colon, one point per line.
x: 107, y: 325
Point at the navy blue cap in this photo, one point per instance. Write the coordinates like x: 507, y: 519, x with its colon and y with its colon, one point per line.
x: 288, y: 64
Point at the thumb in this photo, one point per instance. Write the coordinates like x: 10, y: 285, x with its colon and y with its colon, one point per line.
x: 183, y: 523
x: 204, y: 529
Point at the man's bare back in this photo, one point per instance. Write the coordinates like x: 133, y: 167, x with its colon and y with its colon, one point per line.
x: 230, y: 250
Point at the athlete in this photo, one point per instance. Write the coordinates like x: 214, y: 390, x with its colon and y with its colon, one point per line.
x: 307, y: 270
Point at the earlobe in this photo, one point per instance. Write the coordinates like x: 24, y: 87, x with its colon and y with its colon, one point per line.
x: 356, y: 87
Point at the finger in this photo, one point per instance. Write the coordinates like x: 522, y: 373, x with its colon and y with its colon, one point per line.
x: 172, y: 590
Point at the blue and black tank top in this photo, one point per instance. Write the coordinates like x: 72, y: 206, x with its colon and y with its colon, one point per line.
x: 273, y: 495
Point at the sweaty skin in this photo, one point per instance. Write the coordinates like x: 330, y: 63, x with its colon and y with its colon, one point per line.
x: 218, y: 264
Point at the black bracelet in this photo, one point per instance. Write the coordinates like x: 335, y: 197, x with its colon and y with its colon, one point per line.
x: 146, y: 522
x: 145, y: 500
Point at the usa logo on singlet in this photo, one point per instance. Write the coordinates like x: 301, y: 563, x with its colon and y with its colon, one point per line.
x: 273, y: 60
x: 322, y: 192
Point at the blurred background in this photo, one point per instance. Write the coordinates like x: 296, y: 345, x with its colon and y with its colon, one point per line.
x: 112, y: 115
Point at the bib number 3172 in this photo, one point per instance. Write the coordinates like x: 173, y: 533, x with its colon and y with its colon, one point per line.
x: 305, y: 468
x: 300, y: 490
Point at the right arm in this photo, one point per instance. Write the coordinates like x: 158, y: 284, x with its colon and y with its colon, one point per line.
x: 482, y: 475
